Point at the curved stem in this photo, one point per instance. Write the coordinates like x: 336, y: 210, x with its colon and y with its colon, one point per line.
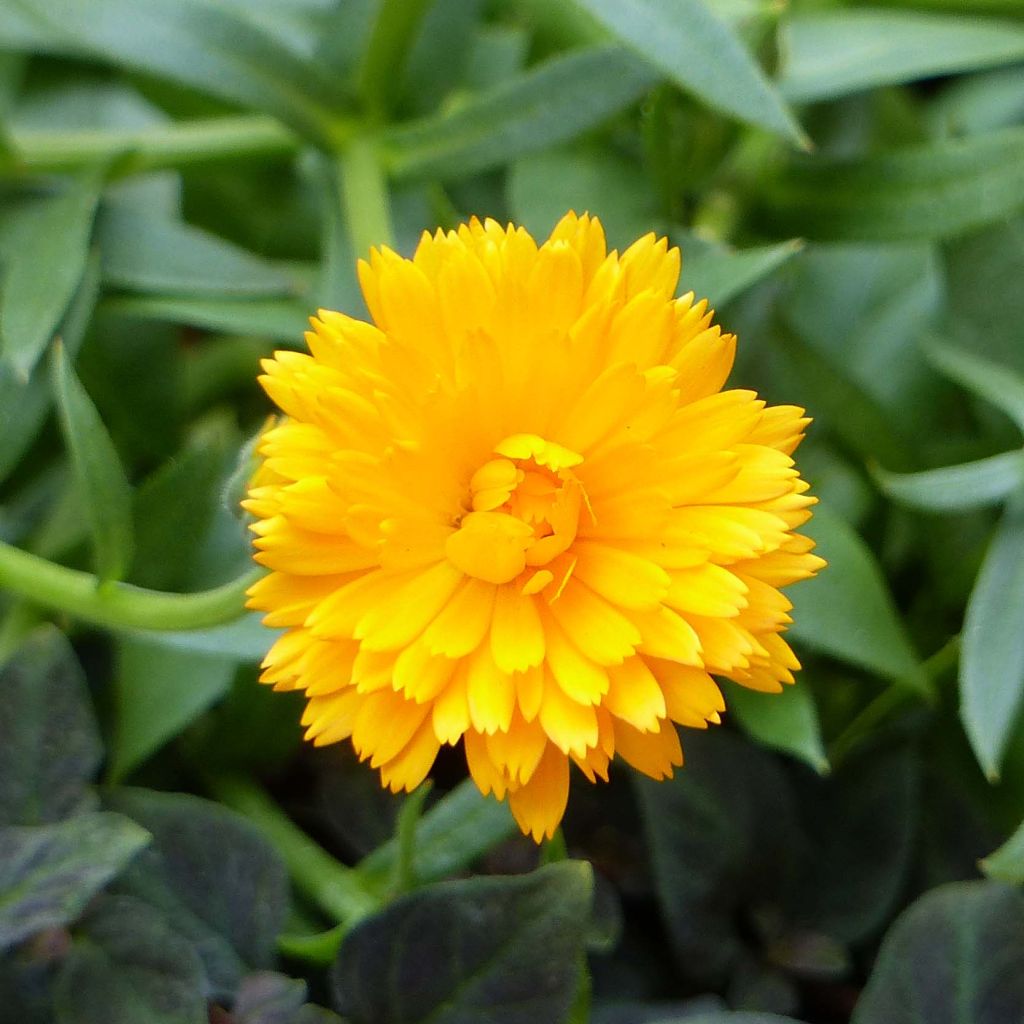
x: 118, y: 605
x: 364, y: 197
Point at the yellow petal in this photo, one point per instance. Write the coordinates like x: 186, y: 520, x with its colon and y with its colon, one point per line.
x: 517, y: 635
x: 539, y: 805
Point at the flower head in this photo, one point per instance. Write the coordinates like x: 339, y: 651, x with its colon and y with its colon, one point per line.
x: 517, y: 510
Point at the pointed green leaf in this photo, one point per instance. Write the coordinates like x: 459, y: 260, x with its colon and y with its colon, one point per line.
x: 955, y: 957
x: 687, y: 42
x: 720, y: 274
x: 49, y: 743
x: 994, y: 383
x: 847, y: 611
x: 992, y: 651
x: 458, y: 952
x: 969, y: 485
x: 203, y: 45
x: 922, y: 192
x: 786, y: 721
x: 152, y: 254
x: 160, y: 690
x: 48, y: 873
x: 105, y: 493
x: 832, y: 53
x: 1007, y: 863
x: 555, y: 101
x: 44, y: 272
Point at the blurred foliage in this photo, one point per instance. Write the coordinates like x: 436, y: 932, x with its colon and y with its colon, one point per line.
x: 183, y: 181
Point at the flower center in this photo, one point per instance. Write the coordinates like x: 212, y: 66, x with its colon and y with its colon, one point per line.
x: 525, y: 510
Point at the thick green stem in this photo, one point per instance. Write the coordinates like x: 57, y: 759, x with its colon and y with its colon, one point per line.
x: 364, y: 197
x: 156, y: 147
x: 117, y: 605
x: 337, y: 890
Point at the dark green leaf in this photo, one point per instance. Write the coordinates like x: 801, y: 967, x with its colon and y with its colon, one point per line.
x: 687, y: 42
x: 218, y: 881
x: 988, y: 380
x: 786, y: 721
x: 245, y: 639
x: 730, y: 1017
x: 48, y: 873
x: 508, y: 948
x: 1007, y: 863
x: 449, y: 837
x: 956, y: 956
x: 206, y: 46
x: 970, y: 485
x: 553, y: 102
x: 103, y: 487
x: 127, y: 966
x: 719, y: 834
x: 992, y: 652
x: 49, y: 744
x: 280, y: 319
x: 156, y: 255
x: 832, y: 53
x: 160, y: 690
x: 44, y: 272
x: 25, y: 403
x: 847, y: 611
x: 269, y: 998
x: 932, y: 191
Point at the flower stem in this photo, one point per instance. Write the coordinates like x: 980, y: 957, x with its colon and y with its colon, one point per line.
x: 364, y: 196
x: 336, y: 889
x: 118, y: 605
x: 156, y: 147
x: 408, y: 818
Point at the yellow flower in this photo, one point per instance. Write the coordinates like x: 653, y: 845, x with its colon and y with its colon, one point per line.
x: 517, y: 510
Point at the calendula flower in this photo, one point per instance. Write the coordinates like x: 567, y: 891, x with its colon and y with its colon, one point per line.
x: 518, y: 511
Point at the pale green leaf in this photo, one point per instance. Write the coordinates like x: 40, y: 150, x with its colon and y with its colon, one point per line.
x: 104, y: 490
x: 992, y: 652
x: 847, y: 610
x: 720, y: 274
x: 687, y: 42
x: 550, y: 103
x: 832, y: 53
x: 1007, y: 863
x: 969, y: 485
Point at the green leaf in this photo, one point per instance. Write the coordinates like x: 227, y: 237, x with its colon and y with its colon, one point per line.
x: 505, y: 948
x: 156, y: 255
x: 103, y: 487
x: 720, y: 274
x: 49, y: 744
x: 828, y: 54
x: 969, y: 485
x: 988, y: 380
x: 550, y: 103
x: 44, y: 271
x: 979, y: 103
x: 213, y: 877
x: 730, y: 1017
x: 209, y: 47
x: 159, y: 691
x: 720, y: 834
x: 543, y: 186
x: 956, y: 956
x: 48, y: 873
x: 786, y: 721
x: 687, y: 42
x: 847, y: 611
x: 125, y: 966
x: 269, y: 998
x: 246, y: 639
x: 280, y: 319
x: 992, y: 648
x: 449, y: 837
x: 1007, y: 863
x: 25, y: 403
x: 922, y: 192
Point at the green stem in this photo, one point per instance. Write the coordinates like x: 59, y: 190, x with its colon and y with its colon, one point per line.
x: 392, y: 37
x: 408, y: 820
x: 336, y: 889
x: 156, y: 147
x: 20, y: 620
x: 118, y: 605
x: 364, y: 197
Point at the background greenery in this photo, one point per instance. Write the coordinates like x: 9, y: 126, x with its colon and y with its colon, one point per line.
x: 182, y: 182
